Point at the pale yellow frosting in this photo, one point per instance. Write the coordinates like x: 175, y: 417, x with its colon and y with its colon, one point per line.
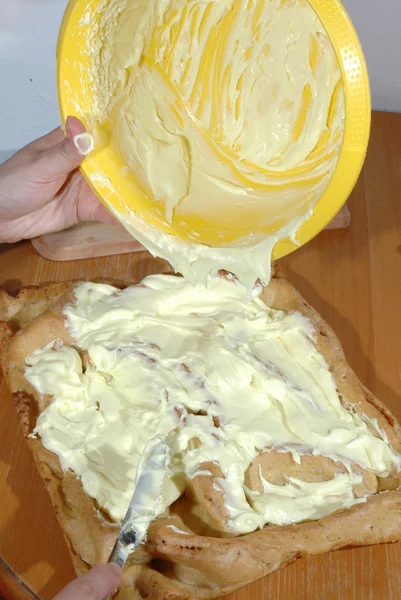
x: 187, y: 362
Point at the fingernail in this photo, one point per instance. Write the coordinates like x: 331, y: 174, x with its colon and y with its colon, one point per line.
x: 84, y: 143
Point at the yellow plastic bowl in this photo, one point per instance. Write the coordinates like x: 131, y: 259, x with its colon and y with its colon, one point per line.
x: 113, y: 186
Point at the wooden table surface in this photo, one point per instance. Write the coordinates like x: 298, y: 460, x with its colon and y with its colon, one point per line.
x: 352, y: 277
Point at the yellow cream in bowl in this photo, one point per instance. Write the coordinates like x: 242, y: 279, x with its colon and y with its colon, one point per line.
x: 230, y: 112
x: 218, y: 123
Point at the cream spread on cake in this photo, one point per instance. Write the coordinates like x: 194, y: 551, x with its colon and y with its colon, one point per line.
x: 228, y: 115
x: 219, y: 375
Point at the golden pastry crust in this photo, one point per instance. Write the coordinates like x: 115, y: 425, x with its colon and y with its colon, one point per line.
x: 205, y: 561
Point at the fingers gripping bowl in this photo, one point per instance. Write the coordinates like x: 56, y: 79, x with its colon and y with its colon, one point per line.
x: 219, y: 126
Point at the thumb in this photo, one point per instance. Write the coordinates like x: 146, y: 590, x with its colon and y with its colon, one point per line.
x: 97, y: 584
x: 68, y: 154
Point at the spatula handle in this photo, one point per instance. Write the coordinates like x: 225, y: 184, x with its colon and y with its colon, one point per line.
x: 115, y: 555
x: 117, y: 559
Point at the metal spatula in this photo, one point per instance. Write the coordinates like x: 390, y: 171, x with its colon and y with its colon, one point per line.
x: 144, y: 505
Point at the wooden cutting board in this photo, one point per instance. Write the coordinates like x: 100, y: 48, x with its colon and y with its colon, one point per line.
x: 91, y: 240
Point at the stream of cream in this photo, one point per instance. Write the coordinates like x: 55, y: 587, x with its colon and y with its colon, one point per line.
x: 229, y: 115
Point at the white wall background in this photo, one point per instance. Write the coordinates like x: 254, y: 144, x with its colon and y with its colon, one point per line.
x: 28, y: 35
x: 378, y: 23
